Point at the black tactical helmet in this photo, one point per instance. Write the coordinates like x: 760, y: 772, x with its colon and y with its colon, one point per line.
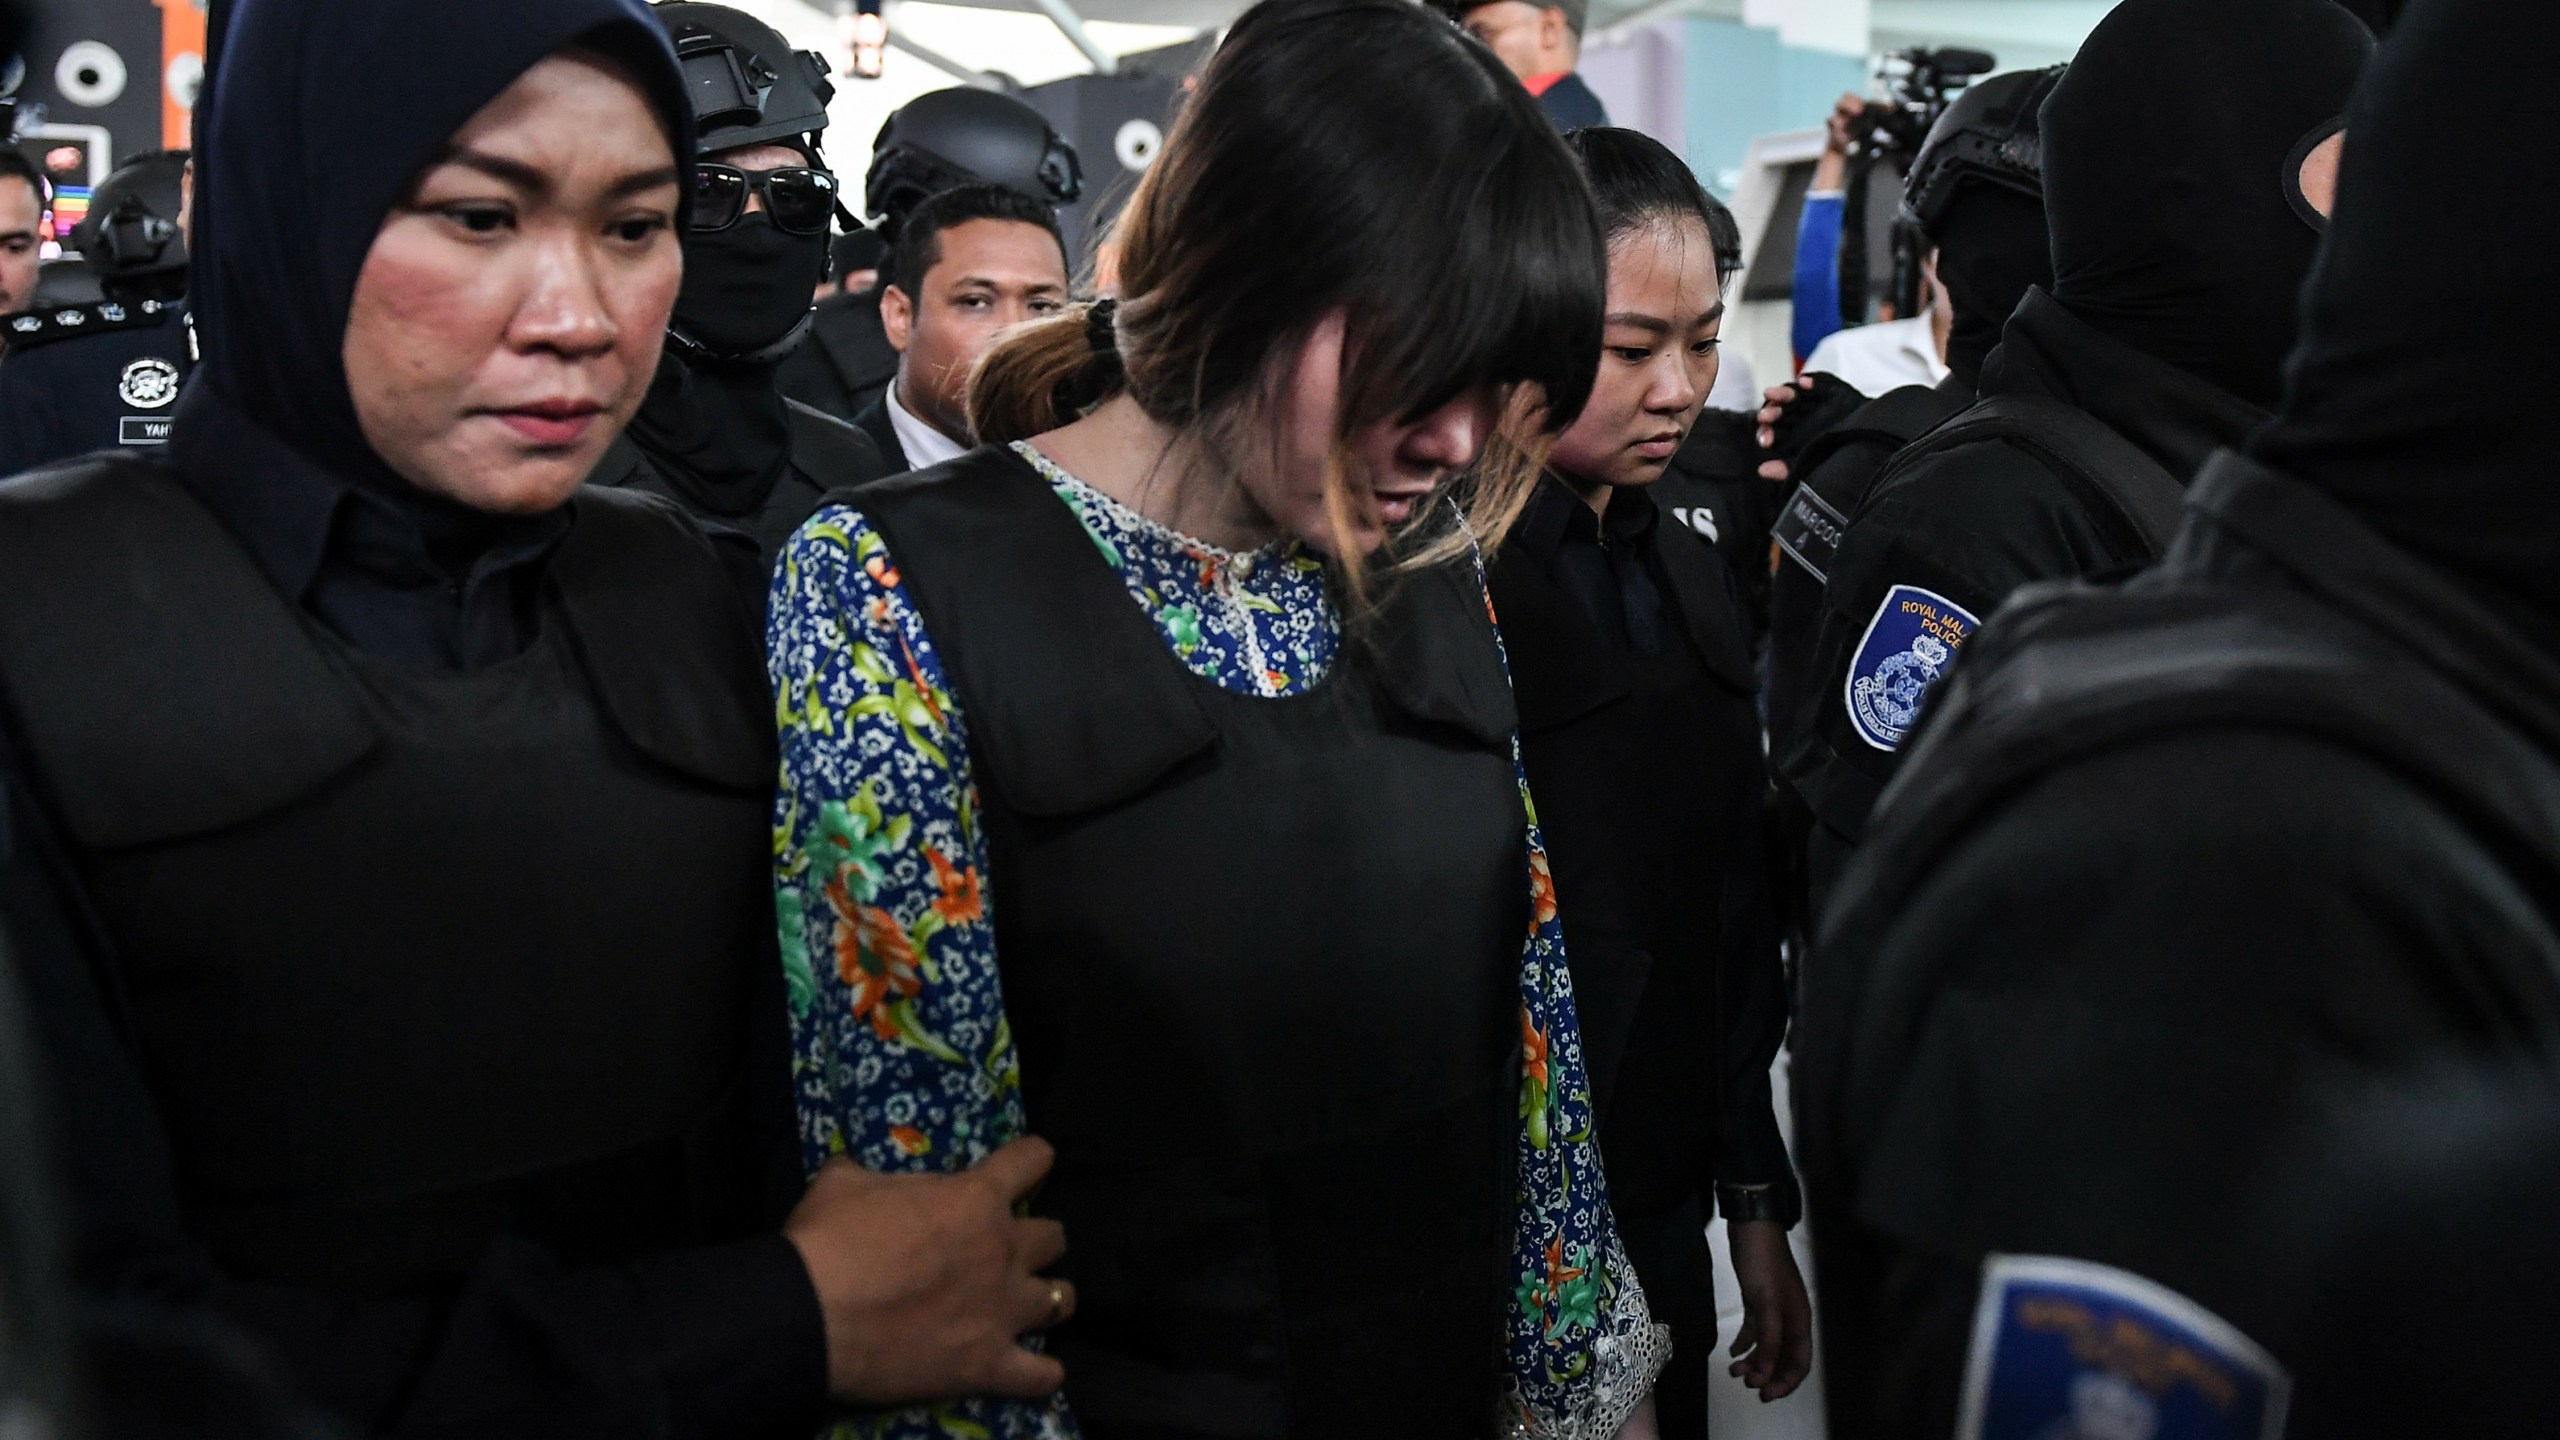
x: 748, y: 86
x: 131, y: 231
x: 1988, y: 136
x: 965, y: 136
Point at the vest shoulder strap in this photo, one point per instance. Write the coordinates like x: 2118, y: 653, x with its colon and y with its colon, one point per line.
x: 1808, y: 530
x: 1895, y: 418
x: 831, y: 451
x: 665, y: 637
x: 160, y: 683
x: 1074, y: 702
x: 1067, y: 711
x: 2135, y: 489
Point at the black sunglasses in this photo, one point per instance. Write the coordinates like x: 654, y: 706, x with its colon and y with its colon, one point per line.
x: 800, y: 200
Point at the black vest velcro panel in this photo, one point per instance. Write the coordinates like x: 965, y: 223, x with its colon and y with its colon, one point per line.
x: 435, y: 955
x: 1261, y: 958
x: 162, y: 685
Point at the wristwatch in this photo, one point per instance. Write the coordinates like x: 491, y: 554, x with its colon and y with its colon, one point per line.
x: 1776, y: 1202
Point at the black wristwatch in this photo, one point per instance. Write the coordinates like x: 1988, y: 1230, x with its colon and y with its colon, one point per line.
x: 1776, y: 1202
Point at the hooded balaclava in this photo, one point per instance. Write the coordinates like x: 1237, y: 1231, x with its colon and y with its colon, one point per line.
x: 317, y: 116
x: 2165, y: 155
x: 2420, y: 395
x: 715, y: 424
x: 1992, y: 249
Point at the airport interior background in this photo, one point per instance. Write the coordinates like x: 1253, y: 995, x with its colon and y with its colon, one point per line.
x: 1738, y: 87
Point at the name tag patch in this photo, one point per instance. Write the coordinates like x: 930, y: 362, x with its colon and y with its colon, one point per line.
x: 143, y: 429
x: 1809, y: 532
x: 1908, y: 645
x: 2071, y: 1350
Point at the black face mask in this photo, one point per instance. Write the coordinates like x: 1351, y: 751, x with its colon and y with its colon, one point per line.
x: 1991, y: 249
x: 746, y: 287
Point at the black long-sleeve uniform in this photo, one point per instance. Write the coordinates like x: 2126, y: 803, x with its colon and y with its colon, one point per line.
x: 1957, y: 527
x: 2179, y: 875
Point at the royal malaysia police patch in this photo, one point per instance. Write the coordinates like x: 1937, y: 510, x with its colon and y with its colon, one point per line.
x: 148, y: 383
x: 1908, y: 645
x: 2072, y: 1350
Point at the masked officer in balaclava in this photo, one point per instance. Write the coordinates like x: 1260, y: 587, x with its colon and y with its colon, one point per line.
x: 716, y: 434
x: 1975, y: 197
x: 2186, y: 158
x: 935, y: 142
x: 2188, y: 871
x: 106, y: 374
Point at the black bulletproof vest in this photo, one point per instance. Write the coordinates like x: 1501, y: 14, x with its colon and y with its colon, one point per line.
x: 1647, y: 773
x: 1261, y: 957
x: 408, y: 958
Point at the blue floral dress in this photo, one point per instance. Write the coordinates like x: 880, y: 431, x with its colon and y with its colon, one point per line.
x: 902, y: 1055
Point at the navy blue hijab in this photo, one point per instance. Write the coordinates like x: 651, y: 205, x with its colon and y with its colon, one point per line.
x: 316, y: 118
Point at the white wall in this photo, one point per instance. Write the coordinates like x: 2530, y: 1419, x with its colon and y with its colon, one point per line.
x: 1022, y: 45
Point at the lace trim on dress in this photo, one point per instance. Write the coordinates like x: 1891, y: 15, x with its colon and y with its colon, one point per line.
x: 1627, y: 1356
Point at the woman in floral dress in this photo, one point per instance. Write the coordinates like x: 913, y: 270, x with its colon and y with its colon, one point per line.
x: 1150, y: 781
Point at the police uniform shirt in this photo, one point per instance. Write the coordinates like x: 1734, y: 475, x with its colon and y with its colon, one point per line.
x: 1944, y: 538
x: 90, y: 377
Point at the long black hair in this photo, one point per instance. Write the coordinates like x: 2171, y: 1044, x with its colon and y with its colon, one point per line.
x: 1361, y: 156
x: 1637, y: 182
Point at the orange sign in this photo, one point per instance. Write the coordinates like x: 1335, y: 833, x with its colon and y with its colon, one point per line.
x: 181, y: 69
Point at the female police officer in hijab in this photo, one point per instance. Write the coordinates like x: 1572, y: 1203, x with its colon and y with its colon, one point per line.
x: 716, y: 435
x: 405, y: 806
x: 2185, y: 873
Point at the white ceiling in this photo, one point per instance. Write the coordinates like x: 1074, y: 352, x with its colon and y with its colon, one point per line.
x: 1011, y: 36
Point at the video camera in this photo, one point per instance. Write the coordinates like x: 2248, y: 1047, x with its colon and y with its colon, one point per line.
x: 1922, y: 82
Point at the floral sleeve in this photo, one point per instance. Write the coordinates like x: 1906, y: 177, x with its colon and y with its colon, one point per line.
x: 900, y: 1050
x: 880, y: 871
x: 1584, y: 1350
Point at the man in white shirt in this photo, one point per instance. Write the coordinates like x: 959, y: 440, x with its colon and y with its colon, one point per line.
x: 1879, y: 359
x: 969, y: 262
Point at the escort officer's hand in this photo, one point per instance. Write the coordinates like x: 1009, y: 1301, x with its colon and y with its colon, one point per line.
x: 1773, y: 408
x: 1776, y: 1339
x: 928, y: 1281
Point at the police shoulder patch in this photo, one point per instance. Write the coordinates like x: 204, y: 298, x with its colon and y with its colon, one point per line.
x: 1911, y: 641
x: 2073, y: 1350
